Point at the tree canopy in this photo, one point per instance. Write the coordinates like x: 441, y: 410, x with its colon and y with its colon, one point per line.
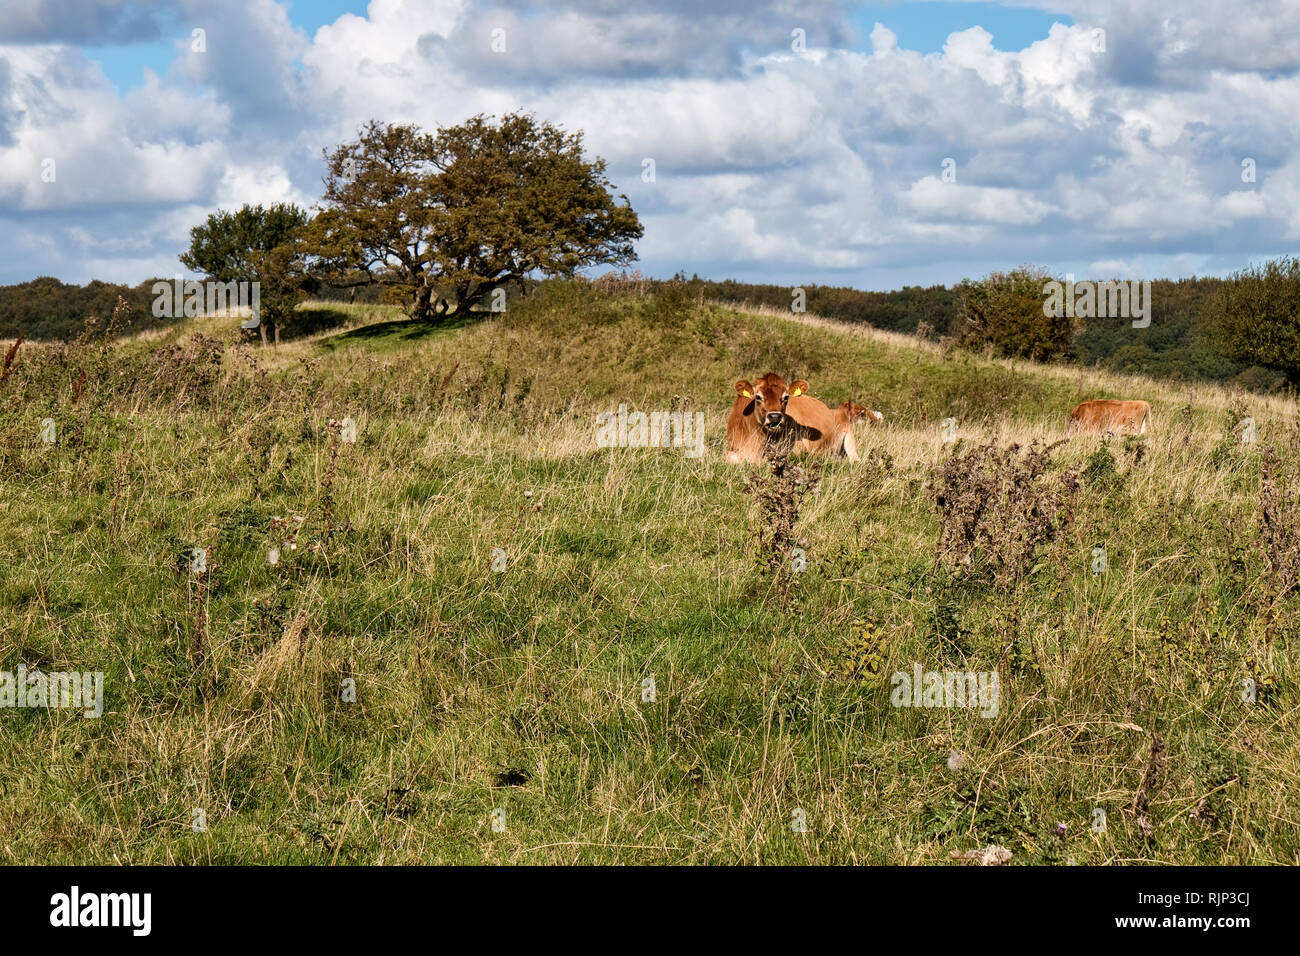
x: 255, y: 244
x: 1258, y: 316
x: 445, y: 220
x: 225, y: 246
x: 1005, y: 310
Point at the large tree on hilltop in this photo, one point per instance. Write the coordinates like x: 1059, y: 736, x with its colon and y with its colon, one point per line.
x: 446, y: 219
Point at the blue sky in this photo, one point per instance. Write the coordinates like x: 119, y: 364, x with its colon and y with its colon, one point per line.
x: 124, y: 64
x: 1086, y: 137
x: 925, y: 27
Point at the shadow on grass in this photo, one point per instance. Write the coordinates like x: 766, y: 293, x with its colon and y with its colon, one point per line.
x: 397, y: 331
x: 310, y: 321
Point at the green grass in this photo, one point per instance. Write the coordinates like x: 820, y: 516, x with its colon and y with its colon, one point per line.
x: 522, y: 690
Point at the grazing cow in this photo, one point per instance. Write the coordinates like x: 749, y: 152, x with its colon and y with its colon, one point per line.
x: 771, y: 414
x: 1110, y: 416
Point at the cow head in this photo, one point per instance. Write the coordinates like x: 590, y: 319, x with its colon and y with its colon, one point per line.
x: 770, y: 395
x: 855, y: 412
x: 858, y: 413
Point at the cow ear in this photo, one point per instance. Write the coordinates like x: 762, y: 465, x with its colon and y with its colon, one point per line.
x: 744, y: 388
x: 798, y: 388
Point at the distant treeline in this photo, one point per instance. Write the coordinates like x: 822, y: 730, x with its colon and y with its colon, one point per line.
x: 1177, y: 344
x: 47, y: 308
x: 900, y: 311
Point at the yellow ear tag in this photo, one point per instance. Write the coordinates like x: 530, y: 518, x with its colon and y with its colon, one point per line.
x: 797, y: 392
x: 747, y: 394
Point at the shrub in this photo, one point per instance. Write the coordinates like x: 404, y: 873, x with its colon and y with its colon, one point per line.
x: 1279, y: 506
x: 780, y: 495
x: 1004, y: 311
x: 1102, y: 469
x: 997, y: 505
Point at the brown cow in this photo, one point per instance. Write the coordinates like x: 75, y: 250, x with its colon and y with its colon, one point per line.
x: 768, y: 414
x: 1110, y: 416
x: 846, y: 416
x: 852, y: 412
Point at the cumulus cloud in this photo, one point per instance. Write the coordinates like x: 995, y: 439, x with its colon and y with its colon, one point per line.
x: 81, y: 21
x: 1118, y: 140
x: 551, y: 42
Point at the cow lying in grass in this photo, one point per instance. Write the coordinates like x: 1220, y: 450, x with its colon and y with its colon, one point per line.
x: 853, y: 412
x: 769, y: 415
x: 1110, y: 416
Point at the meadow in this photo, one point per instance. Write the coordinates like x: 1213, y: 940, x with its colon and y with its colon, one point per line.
x: 450, y: 659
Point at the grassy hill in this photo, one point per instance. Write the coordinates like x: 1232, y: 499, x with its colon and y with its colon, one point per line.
x: 521, y: 690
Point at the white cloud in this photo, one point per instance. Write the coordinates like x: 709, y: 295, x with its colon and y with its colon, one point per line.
x: 931, y: 198
x: 823, y: 166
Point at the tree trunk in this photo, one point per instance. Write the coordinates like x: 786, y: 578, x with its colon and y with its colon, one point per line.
x: 420, y: 305
x: 464, y: 300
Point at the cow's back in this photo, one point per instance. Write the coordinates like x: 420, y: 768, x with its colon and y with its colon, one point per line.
x: 821, y: 430
x: 1109, y: 414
